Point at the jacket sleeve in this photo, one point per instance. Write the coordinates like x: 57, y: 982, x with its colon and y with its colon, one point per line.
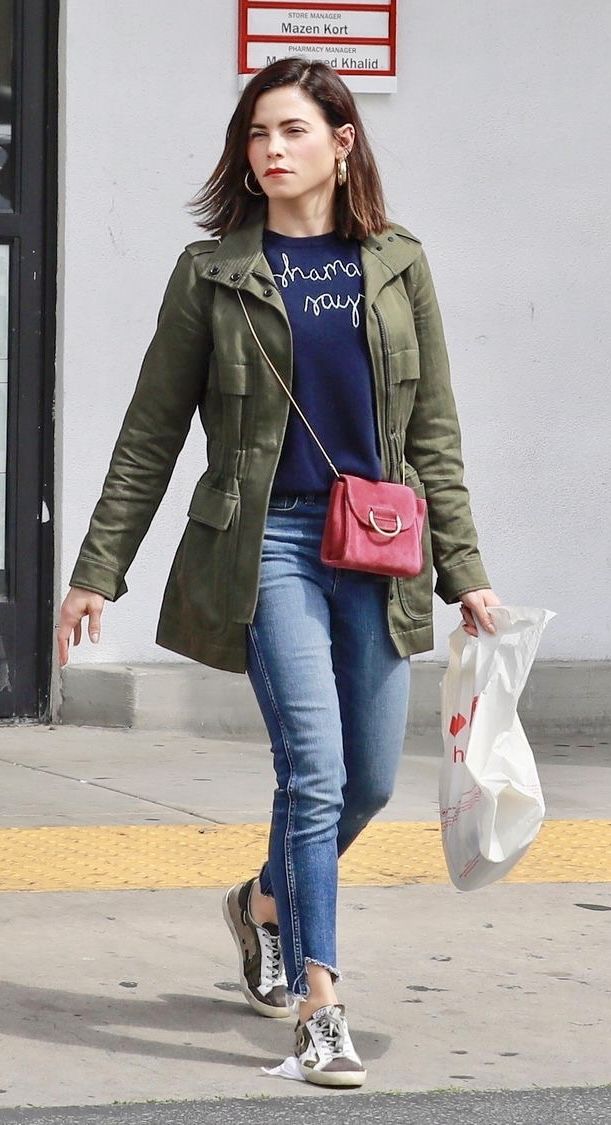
x: 171, y: 382
x: 433, y: 447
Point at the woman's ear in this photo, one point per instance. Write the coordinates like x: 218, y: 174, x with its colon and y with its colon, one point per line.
x: 344, y: 135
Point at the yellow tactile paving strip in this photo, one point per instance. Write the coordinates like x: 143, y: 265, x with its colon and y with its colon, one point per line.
x: 162, y: 856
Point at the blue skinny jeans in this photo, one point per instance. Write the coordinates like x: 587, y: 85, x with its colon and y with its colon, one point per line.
x: 333, y: 692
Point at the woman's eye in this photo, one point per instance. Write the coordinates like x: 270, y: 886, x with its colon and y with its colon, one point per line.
x: 253, y: 136
x: 295, y: 130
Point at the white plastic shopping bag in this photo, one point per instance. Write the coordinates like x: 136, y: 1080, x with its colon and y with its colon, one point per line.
x: 490, y: 800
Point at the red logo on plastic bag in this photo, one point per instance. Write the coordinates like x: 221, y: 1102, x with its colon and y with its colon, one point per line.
x: 457, y: 722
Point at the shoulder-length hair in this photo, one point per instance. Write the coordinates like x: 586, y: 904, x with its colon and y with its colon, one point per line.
x: 224, y: 203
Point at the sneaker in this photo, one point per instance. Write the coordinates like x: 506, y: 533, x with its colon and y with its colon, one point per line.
x: 262, y: 974
x: 325, y: 1051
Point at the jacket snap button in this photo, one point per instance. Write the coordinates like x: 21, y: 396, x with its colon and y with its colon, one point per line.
x: 378, y: 247
x: 234, y: 277
x: 267, y: 292
x: 214, y: 270
x: 391, y: 238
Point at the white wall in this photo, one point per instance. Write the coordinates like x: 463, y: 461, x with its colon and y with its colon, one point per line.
x: 494, y: 152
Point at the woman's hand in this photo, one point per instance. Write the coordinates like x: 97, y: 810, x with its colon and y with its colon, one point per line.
x: 473, y: 605
x: 78, y: 603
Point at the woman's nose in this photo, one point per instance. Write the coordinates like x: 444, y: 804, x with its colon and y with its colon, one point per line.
x: 274, y: 146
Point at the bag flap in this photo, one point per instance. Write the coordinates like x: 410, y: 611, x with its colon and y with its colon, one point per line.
x: 386, y: 499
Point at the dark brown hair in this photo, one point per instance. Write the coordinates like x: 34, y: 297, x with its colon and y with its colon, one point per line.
x: 223, y: 203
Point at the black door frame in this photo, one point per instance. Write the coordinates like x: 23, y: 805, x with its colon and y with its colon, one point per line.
x: 26, y: 613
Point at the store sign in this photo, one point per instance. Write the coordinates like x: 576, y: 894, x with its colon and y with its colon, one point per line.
x: 357, y: 39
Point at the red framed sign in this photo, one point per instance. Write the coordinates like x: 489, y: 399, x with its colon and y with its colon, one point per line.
x: 357, y: 39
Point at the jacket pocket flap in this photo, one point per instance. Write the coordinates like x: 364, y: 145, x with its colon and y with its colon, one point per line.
x: 405, y: 364
x: 235, y: 378
x: 212, y: 506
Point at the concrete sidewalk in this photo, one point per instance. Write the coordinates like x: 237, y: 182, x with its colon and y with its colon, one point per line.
x: 131, y: 994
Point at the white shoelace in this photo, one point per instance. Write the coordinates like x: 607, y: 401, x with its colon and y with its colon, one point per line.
x: 272, y: 965
x: 331, y: 1036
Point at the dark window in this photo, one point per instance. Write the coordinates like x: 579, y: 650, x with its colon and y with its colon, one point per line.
x: 6, y: 106
x: 28, y: 237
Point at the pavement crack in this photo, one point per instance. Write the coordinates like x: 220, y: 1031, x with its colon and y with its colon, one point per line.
x: 113, y: 789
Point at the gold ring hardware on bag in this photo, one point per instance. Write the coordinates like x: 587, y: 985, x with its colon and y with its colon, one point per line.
x: 390, y: 534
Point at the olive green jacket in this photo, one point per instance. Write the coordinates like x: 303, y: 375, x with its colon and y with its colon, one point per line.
x: 203, y: 356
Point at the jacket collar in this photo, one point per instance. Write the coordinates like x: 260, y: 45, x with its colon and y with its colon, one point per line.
x: 239, y: 256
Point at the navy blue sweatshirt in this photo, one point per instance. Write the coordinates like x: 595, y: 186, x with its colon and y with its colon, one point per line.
x: 320, y: 280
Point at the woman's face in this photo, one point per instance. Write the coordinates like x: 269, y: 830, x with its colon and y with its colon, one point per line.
x: 288, y: 131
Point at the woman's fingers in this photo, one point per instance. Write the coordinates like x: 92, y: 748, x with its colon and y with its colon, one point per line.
x: 473, y: 608
x: 95, y: 625
x: 468, y: 622
x: 63, y: 637
x: 76, y: 605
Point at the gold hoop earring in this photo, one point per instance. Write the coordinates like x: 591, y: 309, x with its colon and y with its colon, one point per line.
x: 342, y: 171
x: 247, y: 186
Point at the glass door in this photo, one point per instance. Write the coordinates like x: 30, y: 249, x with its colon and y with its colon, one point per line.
x: 28, y: 226
x: 4, y: 276
x: 7, y: 42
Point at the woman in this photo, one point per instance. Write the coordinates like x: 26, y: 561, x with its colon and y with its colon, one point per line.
x: 343, y: 304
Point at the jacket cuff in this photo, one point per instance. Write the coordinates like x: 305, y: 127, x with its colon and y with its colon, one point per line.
x: 91, y: 575
x: 461, y: 579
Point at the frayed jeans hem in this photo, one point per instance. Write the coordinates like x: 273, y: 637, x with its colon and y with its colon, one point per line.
x: 301, y: 982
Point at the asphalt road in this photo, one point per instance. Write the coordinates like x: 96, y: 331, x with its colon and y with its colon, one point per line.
x: 587, y: 1106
